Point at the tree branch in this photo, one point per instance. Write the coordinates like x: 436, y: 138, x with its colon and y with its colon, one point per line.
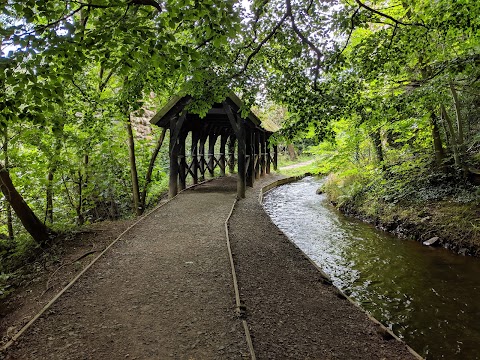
x: 352, y: 27
x: 305, y: 40
x: 148, y: 3
x: 259, y: 46
x: 379, y: 13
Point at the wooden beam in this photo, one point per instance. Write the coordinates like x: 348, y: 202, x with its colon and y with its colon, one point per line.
x: 257, y: 149
x: 222, y: 160
x: 267, y: 150
x: 201, y: 155
x: 250, y: 171
x: 241, y: 151
x: 182, y: 161
x: 275, y: 157
x: 194, y: 152
x: 240, y: 133
x: 175, y: 127
x: 263, y: 152
x: 231, y: 154
x: 212, y: 139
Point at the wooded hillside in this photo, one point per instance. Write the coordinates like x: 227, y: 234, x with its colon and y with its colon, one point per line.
x: 388, y: 91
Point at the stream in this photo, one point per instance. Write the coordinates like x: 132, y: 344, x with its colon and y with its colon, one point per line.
x: 429, y: 297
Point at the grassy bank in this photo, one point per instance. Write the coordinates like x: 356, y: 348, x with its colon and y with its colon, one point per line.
x: 423, y: 207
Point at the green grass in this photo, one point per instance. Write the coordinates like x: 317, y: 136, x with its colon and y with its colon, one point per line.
x: 284, y: 160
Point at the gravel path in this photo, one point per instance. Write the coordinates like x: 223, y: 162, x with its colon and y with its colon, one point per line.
x: 163, y: 291
x: 294, y: 166
x: 291, y: 310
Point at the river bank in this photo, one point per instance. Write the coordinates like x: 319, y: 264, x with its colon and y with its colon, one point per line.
x: 447, y: 222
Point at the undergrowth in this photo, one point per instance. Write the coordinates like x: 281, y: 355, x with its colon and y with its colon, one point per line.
x: 412, y: 200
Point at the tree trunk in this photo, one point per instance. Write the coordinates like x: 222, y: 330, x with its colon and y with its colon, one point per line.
x: 49, y: 196
x: 39, y: 232
x: 377, y: 144
x: 79, y: 209
x: 82, y: 183
x: 148, y: 177
x: 437, y: 141
x: 452, y: 137
x: 291, y: 152
x: 461, y: 144
x: 133, y: 169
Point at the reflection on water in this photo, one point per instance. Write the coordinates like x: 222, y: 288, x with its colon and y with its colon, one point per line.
x: 429, y: 297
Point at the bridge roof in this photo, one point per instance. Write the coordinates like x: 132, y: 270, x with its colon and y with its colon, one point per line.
x: 216, y: 115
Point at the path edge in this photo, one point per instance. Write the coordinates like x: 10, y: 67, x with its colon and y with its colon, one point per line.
x: 15, y: 337
x: 238, y: 303
x: 265, y: 189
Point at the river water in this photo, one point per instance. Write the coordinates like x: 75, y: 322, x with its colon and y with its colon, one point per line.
x: 429, y: 297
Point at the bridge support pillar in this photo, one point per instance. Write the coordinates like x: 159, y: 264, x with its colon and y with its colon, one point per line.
x: 175, y: 128
x: 275, y: 157
x: 182, y: 167
x: 250, y: 177
x: 267, y: 150
x: 231, y: 154
x: 221, y: 161
x: 212, y: 139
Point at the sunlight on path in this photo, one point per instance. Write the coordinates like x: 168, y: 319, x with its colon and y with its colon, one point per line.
x: 294, y: 166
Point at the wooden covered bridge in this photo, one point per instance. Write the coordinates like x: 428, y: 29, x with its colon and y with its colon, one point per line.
x: 253, y: 156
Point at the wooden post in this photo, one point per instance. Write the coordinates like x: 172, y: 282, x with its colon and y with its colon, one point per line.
x: 275, y: 157
x: 182, y: 162
x: 212, y: 139
x: 231, y: 154
x: 175, y: 127
x: 257, y: 149
x: 241, y: 151
x: 223, y: 141
x: 201, y: 155
x: 250, y: 173
x: 263, y: 153
x: 194, y: 152
x: 239, y: 129
x: 267, y: 150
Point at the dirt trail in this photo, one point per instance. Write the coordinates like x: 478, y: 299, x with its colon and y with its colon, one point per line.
x: 163, y: 291
x: 292, y: 312
x: 294, y: 166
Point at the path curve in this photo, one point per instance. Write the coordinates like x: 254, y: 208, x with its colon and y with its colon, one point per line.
x: 294, y: 166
